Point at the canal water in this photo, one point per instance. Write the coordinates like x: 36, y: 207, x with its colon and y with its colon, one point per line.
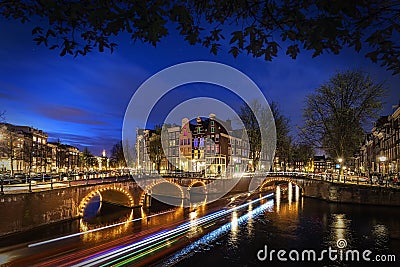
x: 299, y: 224
x: 288, y: 223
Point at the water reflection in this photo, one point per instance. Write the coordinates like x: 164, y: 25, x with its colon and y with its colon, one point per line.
x: 381, y: 234
x: 250, y: 222
x: 205, y: 243
x: 234, y: 228
x: 278, y: 198
x: 306, y: 224
x: 107, y: 233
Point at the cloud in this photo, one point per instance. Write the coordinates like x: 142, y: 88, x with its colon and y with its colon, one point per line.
x: 69, y: 114
x: 94, y: 143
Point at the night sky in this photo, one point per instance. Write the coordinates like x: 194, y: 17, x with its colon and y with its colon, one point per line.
x: 82, y: 100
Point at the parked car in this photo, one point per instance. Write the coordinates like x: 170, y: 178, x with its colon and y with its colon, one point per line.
x: 19, y: 176
x: 374, y: 179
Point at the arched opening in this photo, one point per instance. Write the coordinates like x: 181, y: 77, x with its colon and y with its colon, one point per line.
x: 162, y: 195
x: 105, y: 206
x: 197, y: 192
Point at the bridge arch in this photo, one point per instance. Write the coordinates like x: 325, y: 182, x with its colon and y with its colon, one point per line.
x: 148, y: 189
x: 102, y: 192
x: 279, y: 179
x: 197, y: 182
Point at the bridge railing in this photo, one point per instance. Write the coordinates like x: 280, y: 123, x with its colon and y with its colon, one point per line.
x: 34, y: 185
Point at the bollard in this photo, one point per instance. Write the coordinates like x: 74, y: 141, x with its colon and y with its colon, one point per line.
x: 2, y: 190
x: 30, y: 185
x: 51, y: 183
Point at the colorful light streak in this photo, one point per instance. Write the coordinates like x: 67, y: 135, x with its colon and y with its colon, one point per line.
x: 155, y: 242
x: 94, y: 230
x: 212, y: 236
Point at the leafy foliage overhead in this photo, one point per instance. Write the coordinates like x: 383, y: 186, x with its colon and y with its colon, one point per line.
x: 258, y: 28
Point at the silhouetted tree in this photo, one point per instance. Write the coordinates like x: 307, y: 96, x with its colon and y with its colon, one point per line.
x: 155, y: 150
x: 258, y: 28
x: 252, y: 127
x: 281, y: 123
x: 87, y: 159
x: 337, y: 114
x: 117, y: 155
x: 302, y: 153
x: 283, y: 139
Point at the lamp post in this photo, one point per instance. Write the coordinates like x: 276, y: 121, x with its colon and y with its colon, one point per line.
x: 344, y: 173
x: 382, y: 160
x: 340, y: 160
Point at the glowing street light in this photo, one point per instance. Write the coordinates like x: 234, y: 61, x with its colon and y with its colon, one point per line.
x: 382, y: 159
x: 340, y: 171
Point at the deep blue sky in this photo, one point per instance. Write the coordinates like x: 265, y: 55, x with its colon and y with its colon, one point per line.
x: 82, y: 100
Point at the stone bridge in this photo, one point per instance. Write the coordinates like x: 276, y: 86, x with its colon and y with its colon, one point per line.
x: 24, y: 211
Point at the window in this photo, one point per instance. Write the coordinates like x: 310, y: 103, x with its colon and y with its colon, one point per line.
x: 216, y: 148
x: 216, y: 137
x: 198, y: 129
x: 196, y: 143
x: 202, y: 142
x: 212, y: 123
x: 188, y: 141
x: 212, y: 129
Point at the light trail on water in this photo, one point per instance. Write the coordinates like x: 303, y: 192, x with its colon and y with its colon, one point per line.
x: 134, y: 251
x: 94, y: 230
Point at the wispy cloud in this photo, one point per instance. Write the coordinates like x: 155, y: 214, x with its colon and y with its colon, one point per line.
x: 70, y: 114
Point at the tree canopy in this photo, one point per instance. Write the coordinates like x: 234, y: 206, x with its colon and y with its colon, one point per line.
x: 337, y: 114
x: 117, y: 155
x: 258, y: 28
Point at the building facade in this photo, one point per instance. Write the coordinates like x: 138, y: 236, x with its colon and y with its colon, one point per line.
x: 206, y: 146
x: 380, y: 152
x: 24, y: 149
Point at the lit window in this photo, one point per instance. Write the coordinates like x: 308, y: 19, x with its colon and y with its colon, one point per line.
x: 212, y: 129
x: 198, y: 129
x: 212, y: 123
x: 196, y: 143
x: 188, y: 141
x: 201, y: 142
x: 217, y: 148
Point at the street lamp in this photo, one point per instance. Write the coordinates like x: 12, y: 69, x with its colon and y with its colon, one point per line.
x: 382, y: 159
x: 340, y: 171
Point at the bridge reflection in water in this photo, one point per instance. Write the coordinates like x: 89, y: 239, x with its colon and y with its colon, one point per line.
x: 98, y: 225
